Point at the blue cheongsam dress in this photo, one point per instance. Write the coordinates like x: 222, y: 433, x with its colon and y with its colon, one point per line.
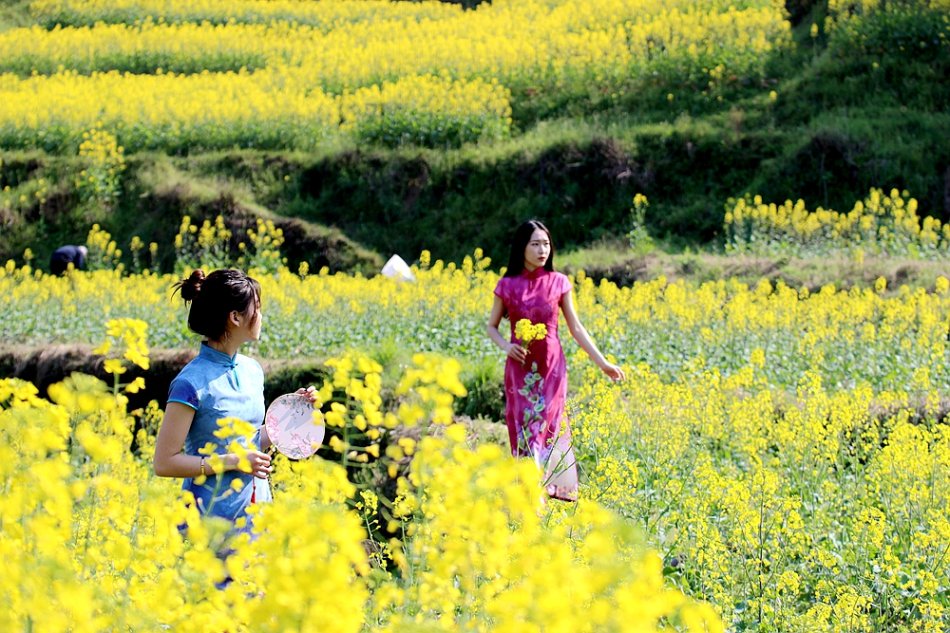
x: 218, y: 386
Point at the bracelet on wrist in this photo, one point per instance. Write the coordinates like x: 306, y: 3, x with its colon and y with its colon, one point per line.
x: 202, y: 466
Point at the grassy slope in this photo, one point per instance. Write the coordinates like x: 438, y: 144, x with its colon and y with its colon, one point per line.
x: 839, y: 125
x: 14, y: 13
x: 611, y: 261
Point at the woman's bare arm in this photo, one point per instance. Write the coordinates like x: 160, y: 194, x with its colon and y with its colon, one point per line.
x: 513, y: 350
x: 579, y: 332
x: 171, y: 460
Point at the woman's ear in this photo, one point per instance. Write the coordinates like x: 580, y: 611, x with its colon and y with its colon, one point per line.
x: 234, y: 317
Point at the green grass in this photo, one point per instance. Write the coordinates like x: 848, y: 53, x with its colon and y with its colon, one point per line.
x: 614, y: 260
x: 14, y: 13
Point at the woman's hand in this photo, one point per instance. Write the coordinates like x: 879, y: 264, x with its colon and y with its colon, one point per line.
x: 260, y: 464
x: 517, y: 353
x: 310, y: 392
x: 613, y: 372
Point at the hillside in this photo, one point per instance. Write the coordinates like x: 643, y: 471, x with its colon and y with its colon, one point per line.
x: 350, y: 125
x: 758, y: 441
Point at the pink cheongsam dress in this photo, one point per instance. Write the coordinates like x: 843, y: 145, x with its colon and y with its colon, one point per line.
x: 535, y: 392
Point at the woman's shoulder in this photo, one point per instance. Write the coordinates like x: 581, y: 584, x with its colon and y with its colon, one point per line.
x: 248, y: 362
x: 502, y: 286
x: 561, y: 281
x: 188, y: 386
x: 191, y: 372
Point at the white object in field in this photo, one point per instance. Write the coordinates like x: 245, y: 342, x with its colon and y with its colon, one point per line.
x: 396, y: 268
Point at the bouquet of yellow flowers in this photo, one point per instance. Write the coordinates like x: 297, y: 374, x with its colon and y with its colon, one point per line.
x: 526, y: 332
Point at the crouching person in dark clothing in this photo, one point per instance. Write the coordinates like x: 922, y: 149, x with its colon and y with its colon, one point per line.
x: 63, y: 256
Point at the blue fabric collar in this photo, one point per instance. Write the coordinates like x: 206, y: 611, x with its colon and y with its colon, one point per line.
x: 220, y: 358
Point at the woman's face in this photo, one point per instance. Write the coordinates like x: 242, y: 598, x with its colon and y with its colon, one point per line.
x: 250, y: 323
x: 256, y: 322
x: 538, y: 250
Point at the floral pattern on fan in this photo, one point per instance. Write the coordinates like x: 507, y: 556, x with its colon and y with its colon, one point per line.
x: 295, y: 428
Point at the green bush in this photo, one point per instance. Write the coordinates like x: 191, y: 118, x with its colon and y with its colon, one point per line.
x: 288, y: 376
x: 485, y: 382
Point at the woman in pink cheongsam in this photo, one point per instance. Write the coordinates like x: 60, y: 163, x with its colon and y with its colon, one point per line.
x: 536, y: 379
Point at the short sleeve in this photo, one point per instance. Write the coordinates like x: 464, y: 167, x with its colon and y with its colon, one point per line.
x: 563, y: 285
x: 501, y: 289
x: 183, y: 392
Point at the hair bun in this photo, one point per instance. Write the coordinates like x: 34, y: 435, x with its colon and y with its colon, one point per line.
x: 192, y: 286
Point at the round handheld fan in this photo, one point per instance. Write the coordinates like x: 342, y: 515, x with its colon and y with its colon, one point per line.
x: 295, y: 428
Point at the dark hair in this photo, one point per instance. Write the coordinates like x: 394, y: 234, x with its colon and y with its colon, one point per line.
x: 215, y: 296
x: 520, y: 242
